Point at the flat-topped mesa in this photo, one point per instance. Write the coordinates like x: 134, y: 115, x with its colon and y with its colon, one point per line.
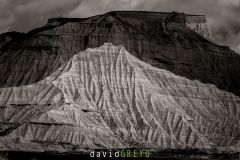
x: 196, y: 23
x: 164, y: 40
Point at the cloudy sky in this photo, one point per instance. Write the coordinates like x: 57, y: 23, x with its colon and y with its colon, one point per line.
x: 23, y: 15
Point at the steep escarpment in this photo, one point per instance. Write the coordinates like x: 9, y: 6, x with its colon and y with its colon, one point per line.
x: 165, y: 40
x: 107, y: 98
x: 198, y: 23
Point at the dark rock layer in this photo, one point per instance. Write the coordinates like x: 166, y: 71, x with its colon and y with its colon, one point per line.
x: 164, y: 40
x: 14, y: 37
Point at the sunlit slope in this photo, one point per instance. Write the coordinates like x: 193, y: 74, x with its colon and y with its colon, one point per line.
x: 107, y: 98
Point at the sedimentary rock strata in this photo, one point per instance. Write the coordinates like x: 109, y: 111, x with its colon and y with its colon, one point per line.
x: 107, y: 98
x: 164, y: 40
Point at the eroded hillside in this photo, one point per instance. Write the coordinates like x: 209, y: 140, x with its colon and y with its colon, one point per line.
x: 107, y: 98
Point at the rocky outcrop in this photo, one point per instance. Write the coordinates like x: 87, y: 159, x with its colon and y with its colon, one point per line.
x: 162, y: 39
x: 198, y: 23
x: 11, y: 36
x: 107, y: 98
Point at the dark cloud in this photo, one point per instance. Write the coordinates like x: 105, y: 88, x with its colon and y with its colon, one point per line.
x: 24, y: 15
x: 222, y: 15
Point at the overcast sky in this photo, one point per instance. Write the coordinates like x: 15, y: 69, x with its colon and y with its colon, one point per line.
x: 23, y: 15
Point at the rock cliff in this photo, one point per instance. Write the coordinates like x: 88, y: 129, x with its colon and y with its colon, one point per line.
x: 164, y: 40
x: 107, y: 98
x: 198, y: 24
x: 10, y: 36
